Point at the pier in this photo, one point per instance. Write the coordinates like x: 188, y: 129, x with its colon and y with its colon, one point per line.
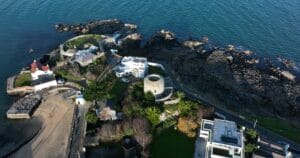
x: 24, y: 108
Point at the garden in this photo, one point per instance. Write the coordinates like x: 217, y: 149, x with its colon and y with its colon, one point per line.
x: 80, y: 42
x: 143, y: 118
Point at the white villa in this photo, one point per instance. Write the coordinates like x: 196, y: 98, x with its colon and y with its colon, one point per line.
x: 219, y: 139
x: 42, y: 77
x: 37, y: 69
x: 136, y: 66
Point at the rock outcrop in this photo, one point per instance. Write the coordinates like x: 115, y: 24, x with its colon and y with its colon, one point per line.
x: 236, y: 78
x: 163, y: 39
x: 98, y: 27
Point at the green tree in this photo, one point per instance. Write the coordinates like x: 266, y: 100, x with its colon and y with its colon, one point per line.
x: 152, y: 114
x: 149, y: 99
x: 251, y: 134
x: 133, y: 109
x: 138, y: 92
x: 250, y: 148
x: 180, y: 95
x: 185, y: 107
x: 91, y: 117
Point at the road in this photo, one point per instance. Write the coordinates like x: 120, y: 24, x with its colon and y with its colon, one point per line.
x: 294, y: 147
x: 78, y: 132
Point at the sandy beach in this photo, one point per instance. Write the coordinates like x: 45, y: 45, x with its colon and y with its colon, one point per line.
x: 56, y: 114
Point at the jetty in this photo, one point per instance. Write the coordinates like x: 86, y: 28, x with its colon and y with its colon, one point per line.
x: 25, y: 107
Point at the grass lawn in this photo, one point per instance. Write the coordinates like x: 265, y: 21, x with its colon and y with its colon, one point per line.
x: 156, y: 70
x: 67, y: 75
x: 117, y: 91
x: 173, y: 144
x: 280, y: 127
x: 23, y: 80
x: 79, y: 42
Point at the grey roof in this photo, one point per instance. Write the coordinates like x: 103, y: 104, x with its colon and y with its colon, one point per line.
x: 43, y: 79
x: 226, y: 132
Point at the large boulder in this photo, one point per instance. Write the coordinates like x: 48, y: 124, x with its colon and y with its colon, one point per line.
x: 162, y: 39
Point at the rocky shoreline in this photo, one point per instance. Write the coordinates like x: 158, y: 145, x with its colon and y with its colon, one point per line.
x: 237, y: 78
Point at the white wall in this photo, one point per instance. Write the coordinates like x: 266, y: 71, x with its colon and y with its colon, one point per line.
x: 45, y: 85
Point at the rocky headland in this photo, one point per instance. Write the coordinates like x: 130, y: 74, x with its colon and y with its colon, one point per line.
x: 237, y: 79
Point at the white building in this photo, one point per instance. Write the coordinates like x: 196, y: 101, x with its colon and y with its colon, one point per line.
x: 37, y: 69
x: 45, y: 85
x: 106, y: 110
x: 219, y: 139
x: 42, y: 77
x: 136, y: 66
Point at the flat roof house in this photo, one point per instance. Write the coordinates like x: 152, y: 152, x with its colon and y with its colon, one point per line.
x: 219, y: 139
x: 136, y: 66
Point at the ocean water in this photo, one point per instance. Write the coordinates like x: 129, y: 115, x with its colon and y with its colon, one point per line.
x: 268, y: 27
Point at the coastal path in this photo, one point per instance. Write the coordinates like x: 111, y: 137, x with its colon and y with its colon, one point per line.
x: 270, y: 135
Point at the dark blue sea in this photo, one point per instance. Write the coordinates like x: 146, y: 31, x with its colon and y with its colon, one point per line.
x: 268, y: 27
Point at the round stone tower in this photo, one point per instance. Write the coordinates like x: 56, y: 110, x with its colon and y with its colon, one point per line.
x: 154, y: 83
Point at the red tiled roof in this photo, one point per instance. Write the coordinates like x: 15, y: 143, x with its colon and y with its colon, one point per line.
x: 37, y: 65
x: 33, y: 67
x: 45, y: 68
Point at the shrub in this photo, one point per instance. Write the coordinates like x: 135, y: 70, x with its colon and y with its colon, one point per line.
x: 133, y: 109
x: 187, y: 126
x: 250, y: 148
x: 138, y: 91
x: 91, y: 117
x: 185, y: 107
x: 148, y: 99
x: 152, y: 114
x: 169, y: 123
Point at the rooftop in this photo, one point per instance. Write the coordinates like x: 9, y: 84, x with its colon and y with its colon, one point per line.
x: 42, y: 79
x: 37, y: 65
x: 226, y: 132
x: 134, y: 59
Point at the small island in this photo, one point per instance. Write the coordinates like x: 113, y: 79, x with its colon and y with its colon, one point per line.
x: 115, y: 98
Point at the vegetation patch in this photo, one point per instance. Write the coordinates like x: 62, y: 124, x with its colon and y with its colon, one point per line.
x: 98, y: 66
x: 23, y: 80
x: 117, y: 91
x: 112, y: 88
x: 278, y: 126
x: 156, y: 70
x: 99, y: 90
x: 66, y: 74
x: 251, y: 142
x: 79, y: 43
x: 171, y: 143
x: 91, y: 117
